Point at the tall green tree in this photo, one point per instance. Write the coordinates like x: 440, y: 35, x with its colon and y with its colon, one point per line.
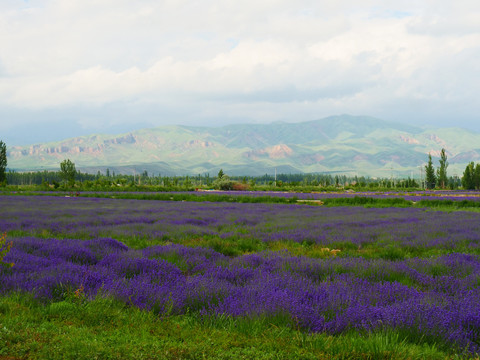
x: 476, y: 177
x: 68, y: 172
x: 187, y: 183
x: 468, y: 179
x: 3, y: 163
x: 430, y: 178
x: 442, y: 179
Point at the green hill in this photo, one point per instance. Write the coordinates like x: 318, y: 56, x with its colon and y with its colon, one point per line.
x: 344, y: 144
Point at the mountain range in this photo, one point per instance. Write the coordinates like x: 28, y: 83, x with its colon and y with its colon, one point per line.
x: 355, y: 145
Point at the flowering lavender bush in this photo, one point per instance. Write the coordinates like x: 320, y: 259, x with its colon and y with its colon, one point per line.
x: 142, y: 223
x: 437, y: 298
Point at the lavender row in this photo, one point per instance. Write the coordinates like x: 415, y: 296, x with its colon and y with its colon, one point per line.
x: 435, y: 298
x: 411, y: 196
x: 156, y: 222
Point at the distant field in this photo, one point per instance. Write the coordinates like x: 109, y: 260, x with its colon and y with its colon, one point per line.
x: 414, y: 196
x: 452, y: 200
x: 125, y: 278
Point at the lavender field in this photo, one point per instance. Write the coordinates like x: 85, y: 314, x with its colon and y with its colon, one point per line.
x: 327, y: 270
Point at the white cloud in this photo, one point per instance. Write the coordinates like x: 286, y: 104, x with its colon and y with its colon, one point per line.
x: 264, y: 60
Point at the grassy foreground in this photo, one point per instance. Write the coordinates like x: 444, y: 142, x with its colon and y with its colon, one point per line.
x: 107, y: 329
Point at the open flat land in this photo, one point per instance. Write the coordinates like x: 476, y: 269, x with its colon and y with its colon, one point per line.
x: 127, y: 278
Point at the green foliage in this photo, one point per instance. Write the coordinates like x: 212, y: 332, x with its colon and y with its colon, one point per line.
x: 390, y: 252
x: 442, y: 170
x: 68, y: 172
x: 468, y: 179
x: 471, y: 177
x: 476, y: 177
x: 367, y: 201
x: 223, y: 182
x: 430, y: 178
x: 3, y: 163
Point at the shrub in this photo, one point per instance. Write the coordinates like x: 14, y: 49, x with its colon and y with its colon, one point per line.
x: 223, y: 183
x: 240, y: 186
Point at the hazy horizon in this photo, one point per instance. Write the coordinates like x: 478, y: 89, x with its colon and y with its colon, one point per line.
x: 82, y: 67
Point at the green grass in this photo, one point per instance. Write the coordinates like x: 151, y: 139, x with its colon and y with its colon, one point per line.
x: 107, y: 329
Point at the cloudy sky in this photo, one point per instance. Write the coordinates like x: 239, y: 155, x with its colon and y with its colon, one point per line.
x: 73, y: 67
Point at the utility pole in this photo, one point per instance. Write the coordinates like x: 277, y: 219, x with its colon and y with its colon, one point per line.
x: 275, y: 177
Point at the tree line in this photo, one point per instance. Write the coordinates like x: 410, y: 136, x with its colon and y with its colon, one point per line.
x: 67, y: 178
